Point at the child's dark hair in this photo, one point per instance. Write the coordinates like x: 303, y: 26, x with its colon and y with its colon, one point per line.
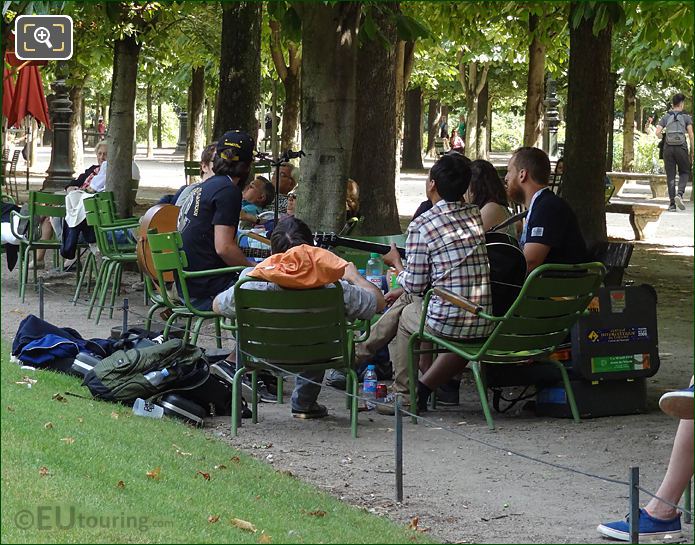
x: 486, y: 185
x: 677, y: 99
x: 288, y: 233
x: 268, y: 190
x: 451, y: 175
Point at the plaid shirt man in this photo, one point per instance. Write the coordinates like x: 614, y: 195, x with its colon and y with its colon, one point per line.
x: 446, y: 249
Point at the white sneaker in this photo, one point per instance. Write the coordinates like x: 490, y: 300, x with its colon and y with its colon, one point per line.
x: 679, y: 202
x: 679, y: 403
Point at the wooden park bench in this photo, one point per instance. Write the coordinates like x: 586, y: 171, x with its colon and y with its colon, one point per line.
x: 657, y: 182
x: 644, y: 218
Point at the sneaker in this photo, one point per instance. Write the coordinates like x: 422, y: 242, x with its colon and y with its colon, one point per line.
x: 448, y: 394
x: 672, y: 207
x: 225, y: 370
x: 336, y: 379
x: 387, y: 406
x: 315, y: 411
x: 679, y: 202
x: 651, y: 530
x: 678, y: 403
x: 261, y: 390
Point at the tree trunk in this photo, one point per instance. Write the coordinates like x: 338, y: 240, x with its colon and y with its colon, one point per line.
x: 329, y: 53
x: 159, y: 124
x: 629, y: 128
x: 639, y: 114
x: 196, y: 118
x: 412, y: 132
x: 612, y: 87
x: 208, y: 121
x: 473, y: 79
x: 150, y: 138
x: 533, y: 121
x: 289, y: 74
x: 482, y: 150
x: 434, y: 116
x: 585, y: 146
x: 240, y: 68
x: 375, y: 134
x: 405, y: 56
x: 122, y: 123
x: 75, y: 152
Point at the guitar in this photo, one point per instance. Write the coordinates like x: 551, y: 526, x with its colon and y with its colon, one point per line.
x: 507, y: 263
x: 162, y: 218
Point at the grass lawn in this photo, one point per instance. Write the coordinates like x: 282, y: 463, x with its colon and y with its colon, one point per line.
x: 76, y: 471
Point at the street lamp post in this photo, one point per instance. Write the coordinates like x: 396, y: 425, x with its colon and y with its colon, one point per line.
x: 60, y: 171
x: 552, y: 118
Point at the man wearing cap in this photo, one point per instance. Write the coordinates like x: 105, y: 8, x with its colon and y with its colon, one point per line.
x: 209, y: 219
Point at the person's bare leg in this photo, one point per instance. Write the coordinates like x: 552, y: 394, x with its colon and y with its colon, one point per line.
x: 46, y: 234
x: 679, y: 472
x: 444, y: 368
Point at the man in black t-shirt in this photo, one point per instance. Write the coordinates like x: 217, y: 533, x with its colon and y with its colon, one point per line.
x: 209, y: 220
x: 551, y: 232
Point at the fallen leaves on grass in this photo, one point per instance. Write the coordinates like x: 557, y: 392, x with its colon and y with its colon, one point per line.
x: 243, y: 525
x: 27, y: 380
x: 264, y: 538
x: 10, y: 408
x: 120, y: 484
x: 213, y: 519
x: 80, y: 420
x: 206, y: 476
x: 114, y: 415
x: 318, y: 513
x: 43, y: 471
x: 413, y: 525
x: 221, y: 466
x: 48, y: 425
x: 154, y: 474
x: 235, y: 459
x: 68, y: 440
x: 59, y: 397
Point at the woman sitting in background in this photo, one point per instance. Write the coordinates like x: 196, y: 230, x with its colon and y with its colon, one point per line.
x: 486, y: 190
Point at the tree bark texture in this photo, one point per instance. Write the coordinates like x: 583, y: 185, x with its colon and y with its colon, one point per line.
x: 208, y: 121
x: 196, y: 114
x: 472, y: 78
x: 329, y: 53
x: 150, y: 135
x: 629, y: 128
x: 289, y: 74
x: 374, y: 165
x: 412, y: 132
x: 240, y: 68
x: 585, y: 146
x: 405, y: 57
x: 159, y: 125
x: 434, y: 116
x: 482, y: 150
x: 76, y: 151
x: 533, y: 121
x: 122, y: 123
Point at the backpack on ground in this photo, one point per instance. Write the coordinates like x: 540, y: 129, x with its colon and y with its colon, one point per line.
x: 121, y: 376
x: 674, y: 131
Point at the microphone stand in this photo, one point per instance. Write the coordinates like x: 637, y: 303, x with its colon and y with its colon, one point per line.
x: 277, y: 163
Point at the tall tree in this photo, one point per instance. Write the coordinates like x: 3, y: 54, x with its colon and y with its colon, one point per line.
x: 329, y: 53
x: 196, y: 114
x: 240, y: 68
x: 587, y: 98
x: 412, y: 131
x: 376, y: 132
x: 533, y: 121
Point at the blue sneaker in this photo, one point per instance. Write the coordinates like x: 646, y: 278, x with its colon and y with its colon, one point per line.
x: 651, y: 530
x: 678, y: 403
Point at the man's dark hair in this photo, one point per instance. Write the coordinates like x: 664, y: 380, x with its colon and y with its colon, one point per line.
x: 677, y: 99
x: 451, y: 175
x: 535, y: 161
x: 288, y: 233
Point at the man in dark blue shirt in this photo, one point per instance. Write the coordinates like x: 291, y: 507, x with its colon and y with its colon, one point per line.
x: 209, y: 219
x: 551, y: 232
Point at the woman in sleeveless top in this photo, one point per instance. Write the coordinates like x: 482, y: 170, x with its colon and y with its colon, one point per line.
x: 486, y: 190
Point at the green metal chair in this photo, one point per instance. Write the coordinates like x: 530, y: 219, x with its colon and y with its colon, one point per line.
x: 550, y: 302
x: 191, y: 170
x: 168, y: 256
x: 40, y: 204
x: 114, y: 256
x: 296, y: 330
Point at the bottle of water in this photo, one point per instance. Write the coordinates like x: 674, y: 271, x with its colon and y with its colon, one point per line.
x: 155, y: 378
x: 375, y: 270
x: 369, y: 386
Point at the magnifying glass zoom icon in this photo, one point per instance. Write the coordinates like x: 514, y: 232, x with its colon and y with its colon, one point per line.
x: 43, y: 36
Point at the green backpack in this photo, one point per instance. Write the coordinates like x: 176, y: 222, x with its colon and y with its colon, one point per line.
x: 121, y: 377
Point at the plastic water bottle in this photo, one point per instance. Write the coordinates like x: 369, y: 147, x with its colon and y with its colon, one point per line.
x: 369, y: 387
x: 145, y: 408
x: 375, y: 270
x: 155, y: 378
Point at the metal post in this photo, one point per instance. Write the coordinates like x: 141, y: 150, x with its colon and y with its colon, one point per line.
x: 41, y: 297
x: 399, y: 448
x: 634, y: 505
x: 687, y: 503
x: 274, y: 141
x: 125, y: 316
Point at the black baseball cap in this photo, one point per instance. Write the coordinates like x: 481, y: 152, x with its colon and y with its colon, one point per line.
x: 236, y: 146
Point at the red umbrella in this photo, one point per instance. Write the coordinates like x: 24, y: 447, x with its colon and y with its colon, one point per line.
x: 29, y: 98
x: 7, y: 92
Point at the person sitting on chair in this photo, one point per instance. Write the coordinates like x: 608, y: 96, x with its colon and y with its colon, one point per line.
x: 362, y: 300
x: 255, y: 197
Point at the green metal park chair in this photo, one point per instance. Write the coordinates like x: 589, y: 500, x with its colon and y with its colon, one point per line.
x: 168, y: 257
x: 191, y: 170
x: 550, y: 302
x: 295, y: 330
